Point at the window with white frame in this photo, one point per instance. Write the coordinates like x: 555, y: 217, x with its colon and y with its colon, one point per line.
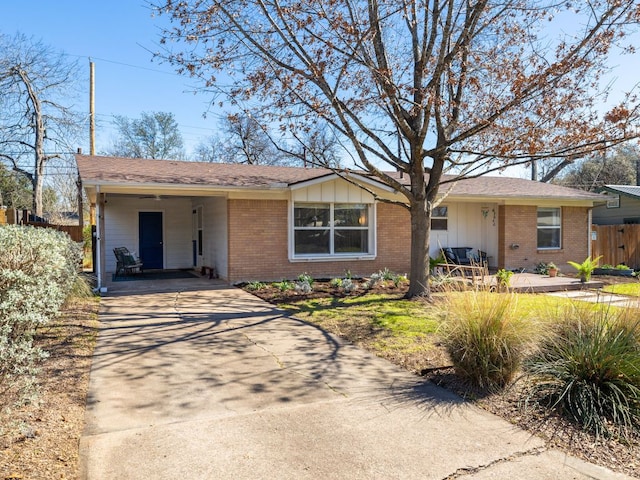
x: 439, y: 218
x: 321, y: 229
x: 549, y: 228
x: 613, y: 201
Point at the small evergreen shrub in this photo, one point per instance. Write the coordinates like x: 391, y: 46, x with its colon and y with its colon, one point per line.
x: 588, y: 368
x: 349, y: 285
x: 484, y: 337
x: 38, y: 269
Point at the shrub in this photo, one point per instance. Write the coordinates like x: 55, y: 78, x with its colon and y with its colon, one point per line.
x: 336, y: 282
x: 484, y: 336
x: 374, y: 279
x: 349, y: 285
x: 504, y: 277
x: 304, y: 283
x: 386, y: 274
x: 541, y: 269
x: 398, y: 279
x: 255, y: 286
x: 284, y: 285
x: 38, y: 269
x: 588, y: 368
x: 305, y: 277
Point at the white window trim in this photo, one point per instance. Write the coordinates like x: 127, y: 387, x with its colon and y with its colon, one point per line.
x: 334, y: 257
x: 613, y: 201
x: 440, y: 218
x: 558, y: 227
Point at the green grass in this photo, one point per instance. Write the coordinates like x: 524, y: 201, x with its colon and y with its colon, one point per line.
x: 631, y: 289
x: 399, y: 317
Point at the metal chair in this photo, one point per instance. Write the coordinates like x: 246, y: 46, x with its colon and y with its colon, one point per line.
x: 126, y: 262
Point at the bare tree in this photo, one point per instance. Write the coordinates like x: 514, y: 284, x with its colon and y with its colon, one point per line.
x: 153, y: 135
x: 314, y: 146
x: 209, y: 149
x: 249, y: 141
x: 420, y: 86
x: 37, y: 123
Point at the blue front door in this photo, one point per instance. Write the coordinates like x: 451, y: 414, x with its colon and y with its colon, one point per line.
x: 150, y: 234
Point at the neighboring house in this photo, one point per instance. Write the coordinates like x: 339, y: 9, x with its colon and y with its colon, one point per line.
x: 615, y: 244
x: 622, y: 206
x: 268, y: 223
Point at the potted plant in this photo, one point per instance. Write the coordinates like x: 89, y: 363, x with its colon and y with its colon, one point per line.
x: 552, y: 269
x: 586, y: 268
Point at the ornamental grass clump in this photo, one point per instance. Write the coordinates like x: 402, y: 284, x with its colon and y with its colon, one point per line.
x: 38, y: 270
x: 588, y: 368
x: 484, y: 336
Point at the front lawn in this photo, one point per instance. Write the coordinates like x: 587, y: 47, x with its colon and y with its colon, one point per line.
x: 630, y: 289
x: 400, y: 330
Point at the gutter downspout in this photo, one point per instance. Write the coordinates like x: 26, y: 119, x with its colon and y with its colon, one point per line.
x: 99, y: 215
x: 589, y: 231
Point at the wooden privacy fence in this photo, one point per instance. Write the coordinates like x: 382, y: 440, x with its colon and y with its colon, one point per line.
x: 617, y: 244
x: 74, y: 231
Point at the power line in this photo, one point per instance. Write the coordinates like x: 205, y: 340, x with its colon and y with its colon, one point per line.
x: 115, y: 62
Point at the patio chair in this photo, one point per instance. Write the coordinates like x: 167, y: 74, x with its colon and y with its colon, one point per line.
x: 126, y: 262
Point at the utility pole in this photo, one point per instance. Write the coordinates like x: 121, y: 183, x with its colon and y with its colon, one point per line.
x: 92, y: 109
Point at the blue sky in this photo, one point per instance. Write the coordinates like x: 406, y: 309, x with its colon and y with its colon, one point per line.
x: 117, y: 35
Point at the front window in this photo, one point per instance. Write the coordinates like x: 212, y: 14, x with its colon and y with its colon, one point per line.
x: 549, y: 228
x: 331, y: 229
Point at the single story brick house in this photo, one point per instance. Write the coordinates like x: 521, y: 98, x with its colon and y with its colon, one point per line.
x: 269, y: 222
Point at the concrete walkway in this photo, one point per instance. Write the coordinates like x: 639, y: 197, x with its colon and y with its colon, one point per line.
x: 594, y: 296
x: 216, y: 384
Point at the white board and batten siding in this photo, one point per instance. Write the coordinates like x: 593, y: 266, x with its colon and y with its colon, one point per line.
x: 336, y: 191
x: 121, y: 225
x: 215, y: 233
x: 472, y: 225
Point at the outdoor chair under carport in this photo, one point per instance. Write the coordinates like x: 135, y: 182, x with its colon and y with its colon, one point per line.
x: 126, y: 262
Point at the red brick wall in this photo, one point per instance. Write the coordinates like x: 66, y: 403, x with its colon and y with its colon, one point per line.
x: 258, y: 244
x: 518, y: 225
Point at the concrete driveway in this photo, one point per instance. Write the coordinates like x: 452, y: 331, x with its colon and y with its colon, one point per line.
x: 216, y: 384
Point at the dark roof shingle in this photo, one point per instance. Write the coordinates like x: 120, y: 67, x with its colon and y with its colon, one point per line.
x: 135, y: 171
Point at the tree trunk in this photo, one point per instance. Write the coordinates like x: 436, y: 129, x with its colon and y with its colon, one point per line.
x: 420, y: 218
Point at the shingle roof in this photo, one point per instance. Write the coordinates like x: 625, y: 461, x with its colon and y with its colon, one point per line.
x: 491, y: 186
x: 135, y: 171
x: 116, y: 170
x: 631, y: 190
